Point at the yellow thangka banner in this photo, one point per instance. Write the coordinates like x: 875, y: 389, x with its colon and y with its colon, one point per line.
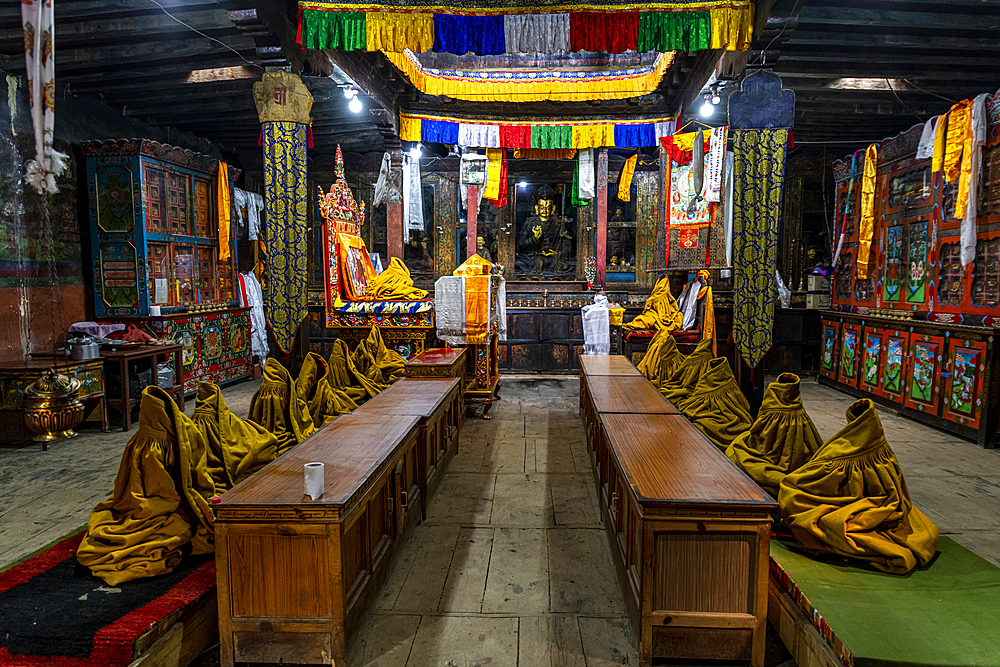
x: 474, y: 266
x: 625, y: 180
x: 225, y: 210
x: 477, y: 298
x: 494, y: 169
x: 356, y: 269
x: 869, y: 181
x: 388, y: 31
x: 958, y: 128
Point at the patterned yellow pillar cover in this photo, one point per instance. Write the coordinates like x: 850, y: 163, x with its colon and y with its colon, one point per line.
x: 869, y: 185
x: 283, y: 105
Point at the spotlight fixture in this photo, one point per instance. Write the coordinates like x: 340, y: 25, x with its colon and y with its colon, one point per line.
x: 522, y: 184
x: 715, y: 98
x: 707, y: 109
x: 415, y: 152
x: 349, y: 92
x: 355, y: 105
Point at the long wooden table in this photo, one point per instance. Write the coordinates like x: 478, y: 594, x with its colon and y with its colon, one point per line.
x: 440, y: 410
x: 294, y: 574
x: 690, y: 532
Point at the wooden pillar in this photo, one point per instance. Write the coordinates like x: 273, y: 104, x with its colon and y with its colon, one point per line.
x: 394, y: 212
x: 602, y: 214
x: 471, y: 220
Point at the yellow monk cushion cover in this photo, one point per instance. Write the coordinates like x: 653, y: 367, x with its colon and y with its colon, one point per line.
x: 344, y: 375
x: 278, y: 408
x: 717, y: 406
x: 662, y: 358
x: 660, y: 311
x: 161, y: 500
x: 325, y: 402
x: 781, y: 439
x: 850, y: 499
x: 683, y: 380
x: 236, y: 447
x: 378, y: 363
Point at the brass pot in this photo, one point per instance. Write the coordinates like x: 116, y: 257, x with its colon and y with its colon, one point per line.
x: 52, y: 407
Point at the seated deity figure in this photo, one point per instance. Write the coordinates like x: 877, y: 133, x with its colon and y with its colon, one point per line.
x: 544, y: 246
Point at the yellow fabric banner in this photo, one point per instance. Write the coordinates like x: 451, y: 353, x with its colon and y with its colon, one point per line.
x: 869, y: 184
x: 494, y: 169
x: 225, y: 210
x: 593, y: 136
x: 708, y: 326
x: 732, y: 28
x: 958, y: 128
x: 625, y: 180
x: 388, y: 31
x: 940, y: 138
x: 409, y: 128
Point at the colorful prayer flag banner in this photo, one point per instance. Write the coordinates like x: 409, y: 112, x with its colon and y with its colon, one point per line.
x: 548, y: 134
x: 492, y: 28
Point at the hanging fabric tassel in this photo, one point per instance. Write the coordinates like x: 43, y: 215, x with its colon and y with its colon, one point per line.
x: 585, y: 159
x: 625, y: 178
x: 39, y: 60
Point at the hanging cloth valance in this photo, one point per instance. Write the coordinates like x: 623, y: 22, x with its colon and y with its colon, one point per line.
x: 492, y: 30
x: 869, y: 184
x: 557, y: 85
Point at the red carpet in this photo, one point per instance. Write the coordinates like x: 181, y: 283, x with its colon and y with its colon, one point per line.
x: 55, y: 613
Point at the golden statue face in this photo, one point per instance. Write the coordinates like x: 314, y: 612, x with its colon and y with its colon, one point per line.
x: 545, y: 208
x: 480, y: 242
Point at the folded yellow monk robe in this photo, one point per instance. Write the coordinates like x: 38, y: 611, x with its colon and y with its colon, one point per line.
x: 660, y: 311
x: 377, y: 362
x: 237, y: 448
x: 781, y: 439
x: 662, y: 358
x: 850, y: 499
x: 344, y: 375
x: 313, y: 386
x: 161, y: 501
x: 277, y: 407
x: 717, y: 406
x: 682, y: 381
x: 394, y: 284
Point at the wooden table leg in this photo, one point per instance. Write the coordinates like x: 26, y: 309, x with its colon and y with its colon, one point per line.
x: 126, y: 398
x: 104, y: 412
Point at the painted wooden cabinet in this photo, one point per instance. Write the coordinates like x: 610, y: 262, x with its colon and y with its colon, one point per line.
x: 942, y: 374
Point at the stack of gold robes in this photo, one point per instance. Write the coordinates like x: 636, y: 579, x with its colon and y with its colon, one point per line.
x: 662, y: 358
x: 313, y: 386
x: 394, y: 284
x: 685, y: 377
x: 850, y: 499
x: 344, y: 376
x: 161, y: 501
x: 237, y: 448
x: 717, y: 406
x: 781, y: 439
x: 378, y: 363
x: 660, y: 311
x: 278, y: 408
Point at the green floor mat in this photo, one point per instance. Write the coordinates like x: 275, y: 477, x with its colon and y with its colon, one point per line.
x: 945, y: 614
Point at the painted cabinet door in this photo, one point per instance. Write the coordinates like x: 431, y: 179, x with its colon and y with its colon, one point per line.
x: 894, y: 365
x: 963, y: 381
x: 850, y: 348
x: 872, y: 350
x: 831, y: 349
x: 923, y: 386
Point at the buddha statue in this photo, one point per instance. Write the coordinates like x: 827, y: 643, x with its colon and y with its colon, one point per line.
x: 544, y: 245
x: 481, y: 248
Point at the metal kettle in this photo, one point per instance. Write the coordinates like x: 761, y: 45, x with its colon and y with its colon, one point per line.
x: 84, y: 348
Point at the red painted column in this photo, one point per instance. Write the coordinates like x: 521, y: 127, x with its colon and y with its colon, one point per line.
x: 472, y: 220
x: 602, y: 214
x: 394, y: 212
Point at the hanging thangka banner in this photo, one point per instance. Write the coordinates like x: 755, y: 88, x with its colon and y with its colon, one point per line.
x: 688, y: 210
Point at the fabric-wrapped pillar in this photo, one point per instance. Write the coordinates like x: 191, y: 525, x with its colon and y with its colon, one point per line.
x: 602, y: 215
x: 283, y: 105
x: 394, y: 210
x: 759, y: 116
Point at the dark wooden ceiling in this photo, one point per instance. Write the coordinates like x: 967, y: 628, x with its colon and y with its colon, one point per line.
x: 835, y: 54
x: 134, y: 57
x: 864, y: 70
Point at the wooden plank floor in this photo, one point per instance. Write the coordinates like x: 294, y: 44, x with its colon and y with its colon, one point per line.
x: 512, y: 566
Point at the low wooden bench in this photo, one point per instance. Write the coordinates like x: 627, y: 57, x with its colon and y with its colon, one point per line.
x: 690, y: 532
x: 295, y: 574
x: 438, y: 406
